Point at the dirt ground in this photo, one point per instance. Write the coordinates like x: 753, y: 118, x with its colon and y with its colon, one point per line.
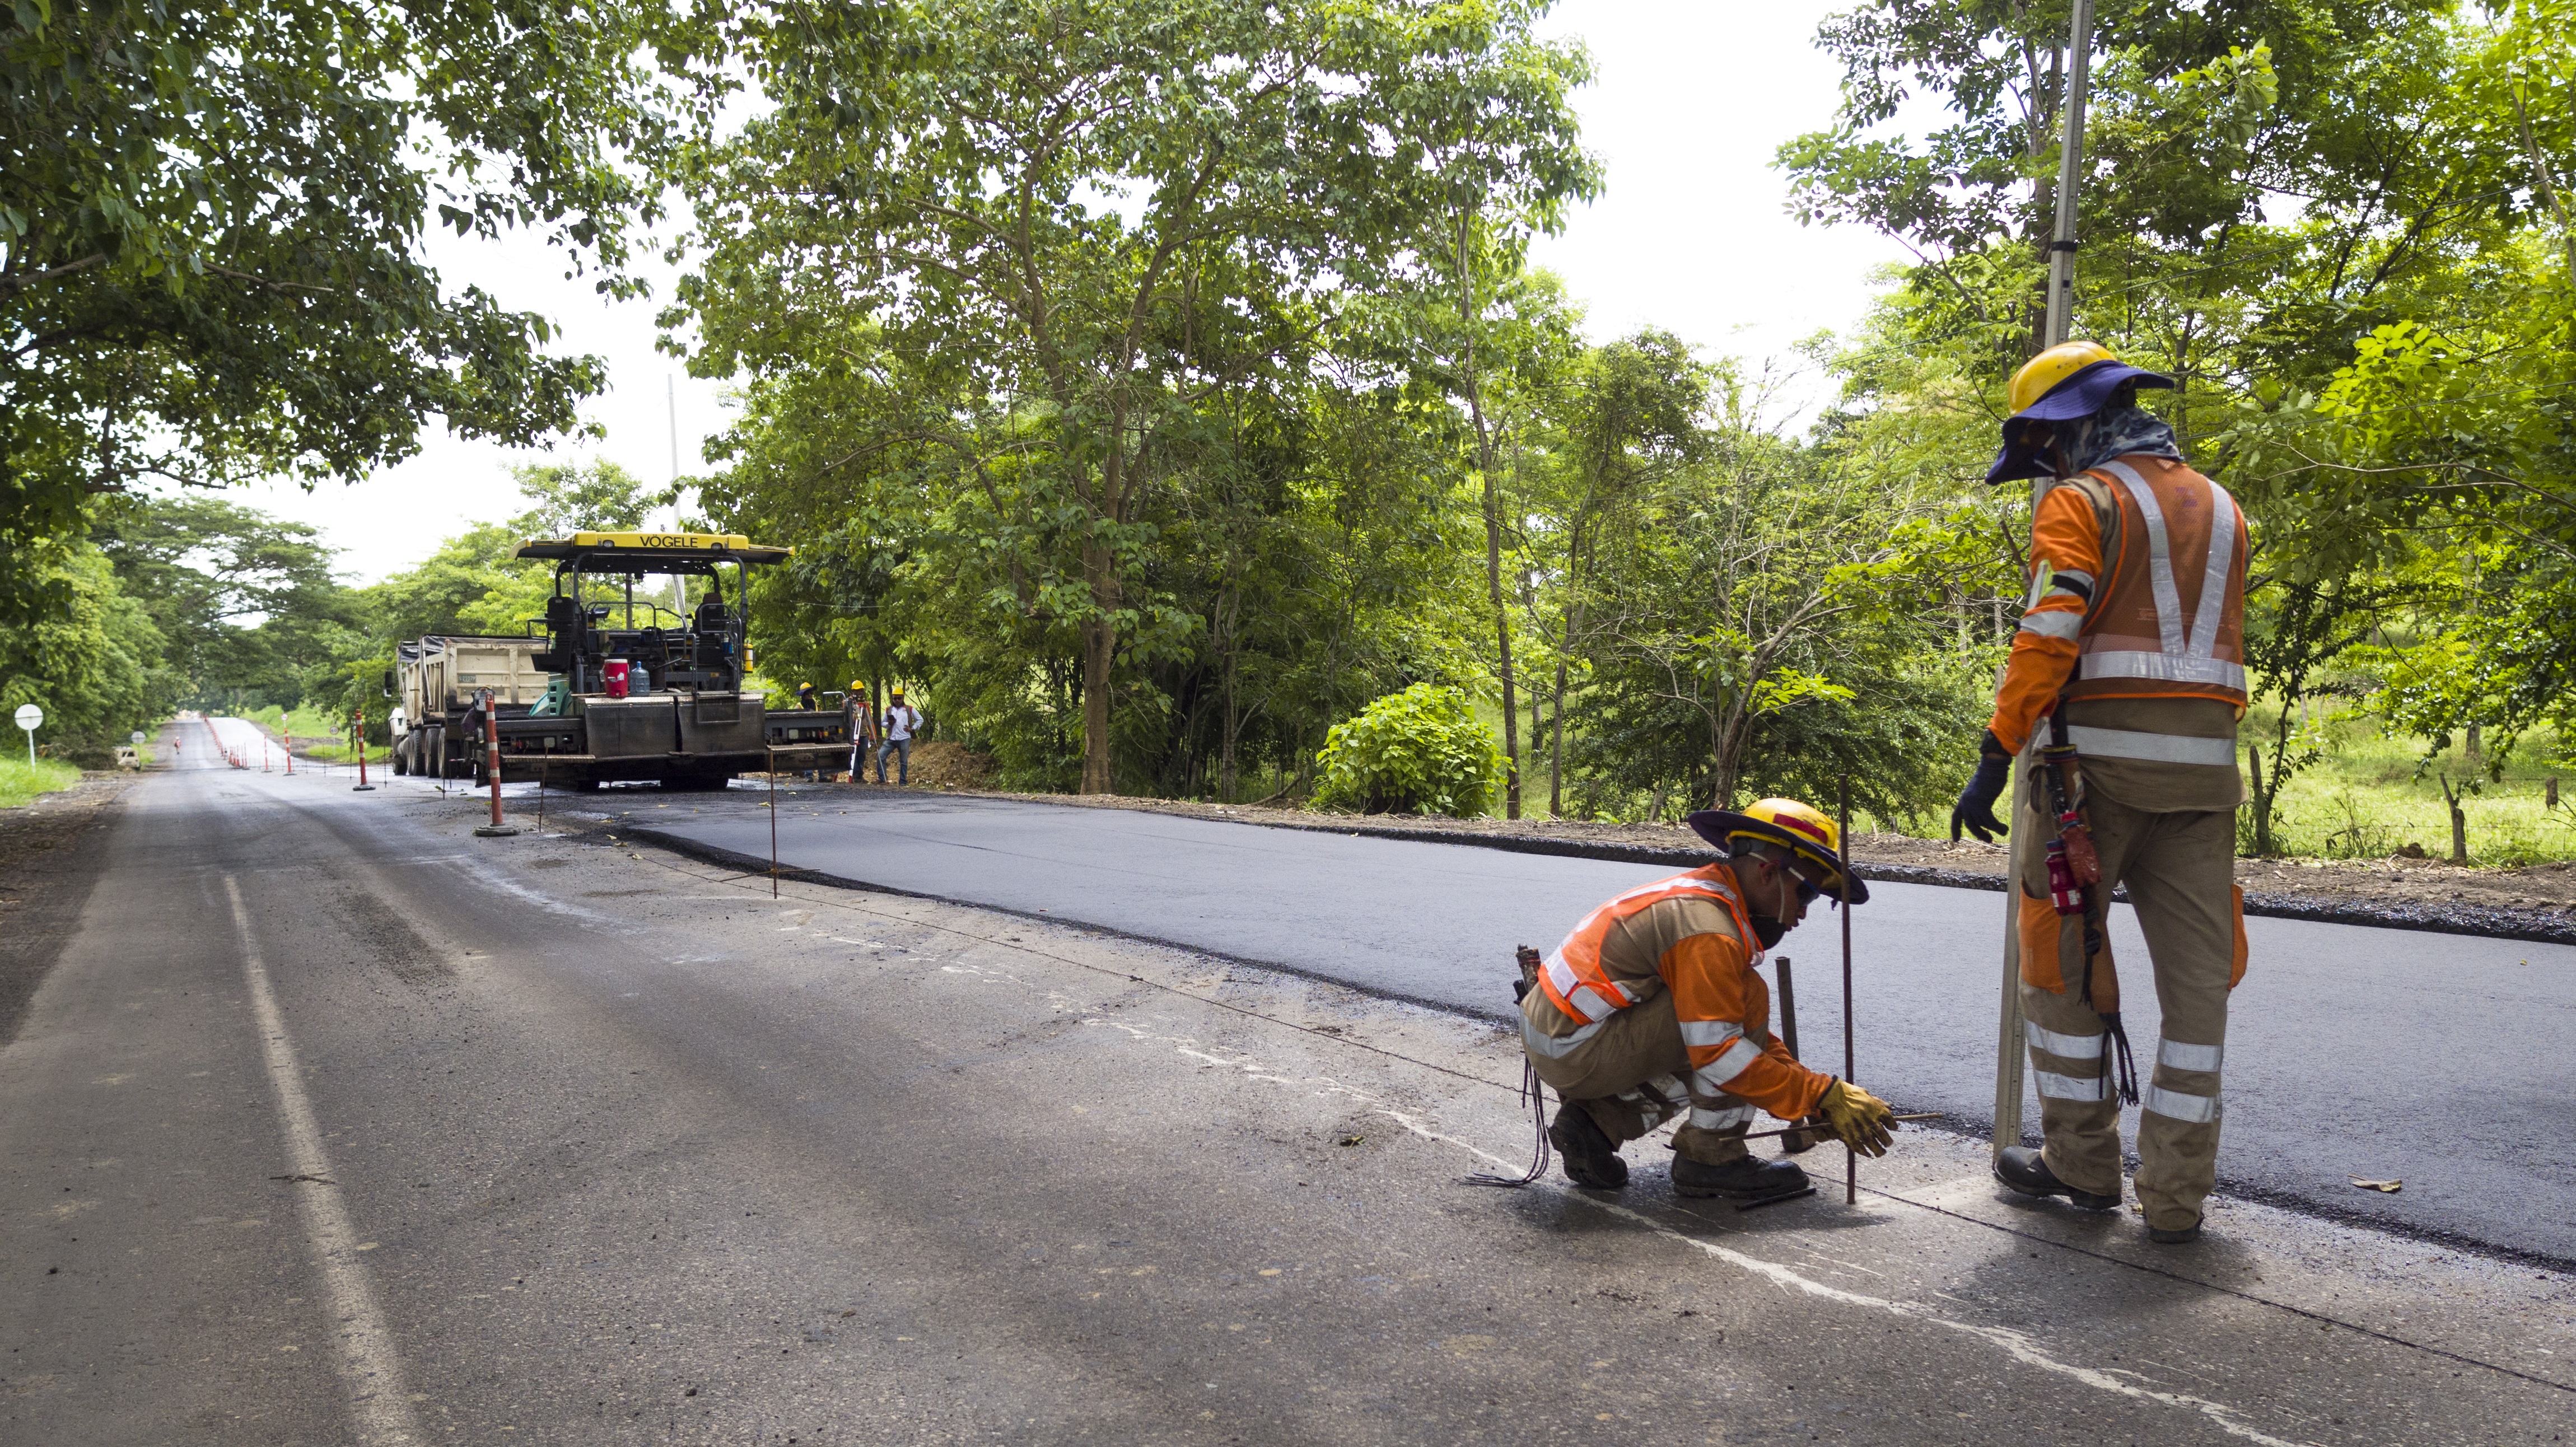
x: 45, y: 878
x: 2538, y: 902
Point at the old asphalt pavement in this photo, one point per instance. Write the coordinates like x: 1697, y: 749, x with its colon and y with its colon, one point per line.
x: 329, y: 1122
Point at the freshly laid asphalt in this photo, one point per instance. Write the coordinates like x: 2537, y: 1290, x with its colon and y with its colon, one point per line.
x: 2445, y: 1061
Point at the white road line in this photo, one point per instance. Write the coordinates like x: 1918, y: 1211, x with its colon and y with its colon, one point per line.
x: 366, y: 1358
x: 2020, y: 1346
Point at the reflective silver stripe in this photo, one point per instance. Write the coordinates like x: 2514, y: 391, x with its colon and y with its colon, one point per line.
x: 2052, y: 624
x: 1588, y: 1003
x: 2175, y: 1105
x: 1561, y: 975
x: 2068, y: 1087
x: 2076, y: 575
x: 1555, y: 1047
x: 2159, y: 748
x: 2188, y: 1057
x: 2164, y: 667
x: 2213, y: 576
x: 2160, y: 572
x: 1714, y: 1075
x: 2073, y: 1047
x: 1732, y: 1118
x: 1709, y: 1032
x: 1670, y: 1087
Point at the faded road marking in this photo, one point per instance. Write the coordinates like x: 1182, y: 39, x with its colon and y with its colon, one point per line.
x: 366, y: 1358
x: 2018, y: 1345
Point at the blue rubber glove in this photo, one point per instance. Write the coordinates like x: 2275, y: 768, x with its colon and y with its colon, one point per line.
x: 1975, y: 811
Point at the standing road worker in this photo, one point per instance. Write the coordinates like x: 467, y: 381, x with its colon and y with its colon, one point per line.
x: 859, y: 718
x: 2130, y: 664
x: 901, y: 719
x: 1651, y: 1008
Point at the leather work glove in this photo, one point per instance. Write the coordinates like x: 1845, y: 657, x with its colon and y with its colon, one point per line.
x: 1859, y: 1119
x: 1975, y: 811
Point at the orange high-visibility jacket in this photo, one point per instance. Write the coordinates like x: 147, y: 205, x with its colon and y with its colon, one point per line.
x: 1723, y: 1006
x: 2164, y: 619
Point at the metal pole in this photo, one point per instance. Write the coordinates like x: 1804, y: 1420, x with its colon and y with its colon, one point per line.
x: 2070, y: 169
x: 2009, y: 1060
x: 773, y: 822
x: 358, y: 732
x: 1851, y: 1157
x: 1788, y: 1005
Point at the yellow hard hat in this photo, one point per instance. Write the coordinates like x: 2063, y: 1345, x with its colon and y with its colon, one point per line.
x: 2040, y: 375
x: 1801, y: 828
x: 897, y: 690
x: 803, y: 686
x: 858, y: 685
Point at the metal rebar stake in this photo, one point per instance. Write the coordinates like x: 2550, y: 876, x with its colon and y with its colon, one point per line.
x: 1851, y: 1156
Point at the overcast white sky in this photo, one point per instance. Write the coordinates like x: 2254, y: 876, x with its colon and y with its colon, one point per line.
x: 1693, y: 99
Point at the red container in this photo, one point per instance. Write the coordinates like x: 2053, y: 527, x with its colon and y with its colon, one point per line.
x: 614, y: 676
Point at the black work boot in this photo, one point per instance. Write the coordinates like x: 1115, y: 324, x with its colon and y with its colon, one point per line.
x: 1591, y: 1157
x: 2023, y: 1169
x: 1747, y: 1179
x: 2177, y: 1236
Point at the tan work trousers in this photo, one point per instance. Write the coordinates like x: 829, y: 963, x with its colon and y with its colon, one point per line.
x: 2180, y: 872
x: 1631, y: 1073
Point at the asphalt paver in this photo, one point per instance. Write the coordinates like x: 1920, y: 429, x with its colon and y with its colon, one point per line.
x: 334, y: 1123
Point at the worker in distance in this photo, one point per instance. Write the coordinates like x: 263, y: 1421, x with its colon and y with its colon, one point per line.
x: 2130, y: 666
x: 1651, y: 1008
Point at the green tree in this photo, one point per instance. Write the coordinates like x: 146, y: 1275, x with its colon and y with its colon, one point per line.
x: 210, y: 220
x: 1047, y: 206
x: 246, y: 604
x: 94, y: 665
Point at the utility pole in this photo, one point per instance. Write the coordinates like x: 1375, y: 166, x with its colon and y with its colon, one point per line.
x: 2009, y: 1057
x: 671, y: 402
x: 2070, y: 171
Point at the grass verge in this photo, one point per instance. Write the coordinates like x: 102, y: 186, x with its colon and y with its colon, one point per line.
x: 2373, y: 794
x: 21, y: 781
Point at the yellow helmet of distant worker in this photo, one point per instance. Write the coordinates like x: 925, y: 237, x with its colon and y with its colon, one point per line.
x: 858, y: 685
x: 1803, y: 829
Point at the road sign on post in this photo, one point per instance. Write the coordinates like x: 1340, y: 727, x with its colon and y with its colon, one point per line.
x: 31, y: 718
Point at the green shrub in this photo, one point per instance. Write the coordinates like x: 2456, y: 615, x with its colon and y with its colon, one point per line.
x: 1416, y: 752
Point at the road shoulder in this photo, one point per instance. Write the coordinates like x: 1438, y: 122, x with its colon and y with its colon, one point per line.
x: 51, y: 857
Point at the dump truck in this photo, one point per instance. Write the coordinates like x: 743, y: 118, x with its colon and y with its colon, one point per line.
x: 626, y: 679
x: 439, y: 680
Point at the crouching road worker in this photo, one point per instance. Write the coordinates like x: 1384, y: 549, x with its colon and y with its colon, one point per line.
x: 2130, y: 662
x: 1651, y: 1008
